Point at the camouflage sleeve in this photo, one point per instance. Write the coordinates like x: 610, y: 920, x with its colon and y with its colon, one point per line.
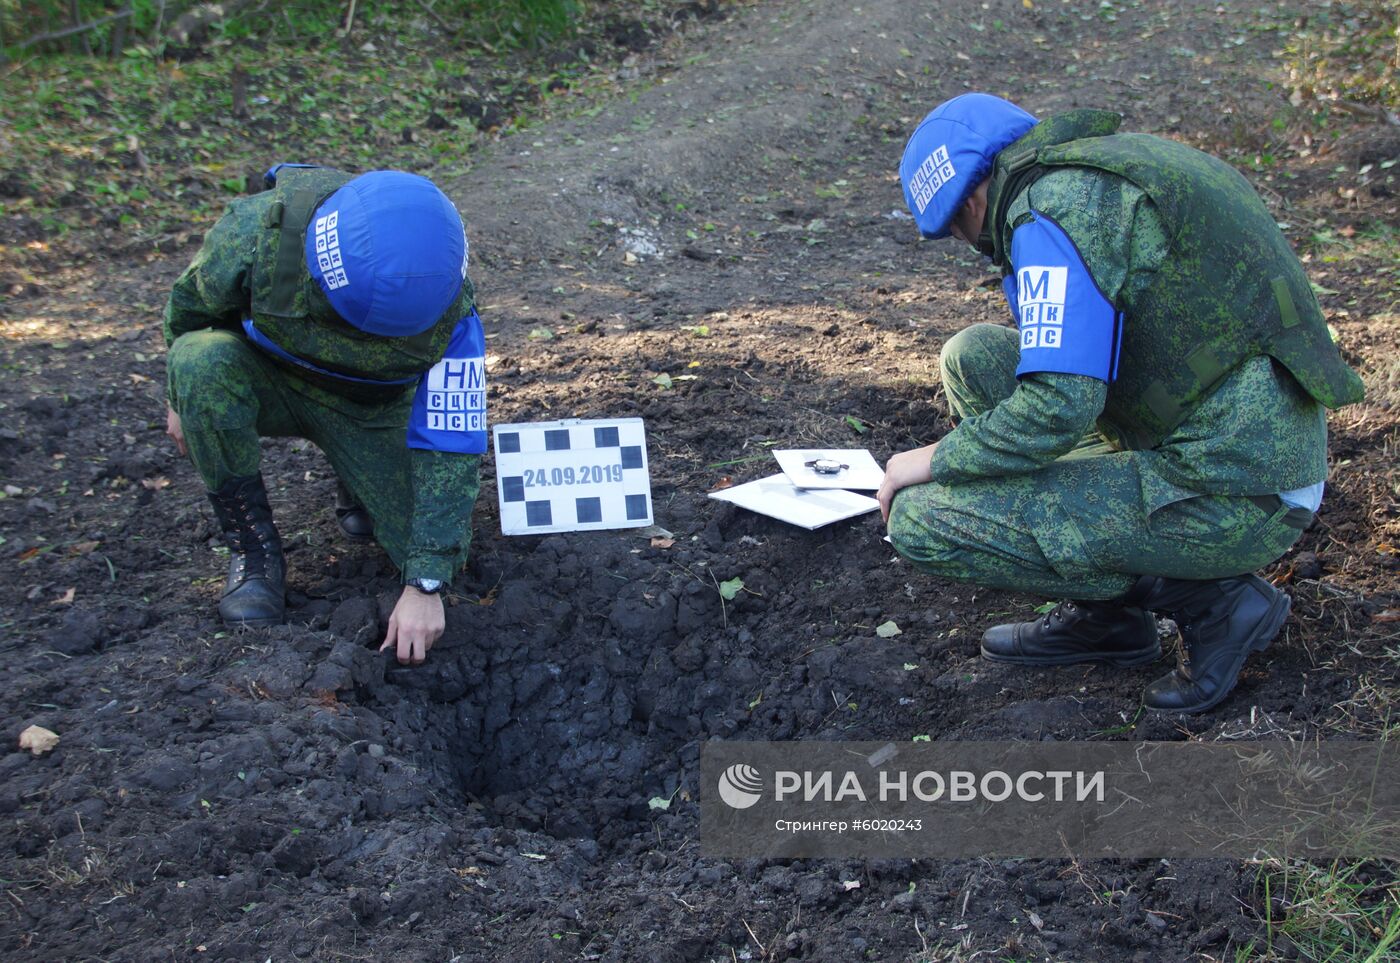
x: 445, y: 486
x: 1046, y: 416
x: 213, y: 291
x: 1119, y: 233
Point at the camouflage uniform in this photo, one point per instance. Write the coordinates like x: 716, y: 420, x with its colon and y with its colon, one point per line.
x: 228, y: 393
x: 1027, y: 494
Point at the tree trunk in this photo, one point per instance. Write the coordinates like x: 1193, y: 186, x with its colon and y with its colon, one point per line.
x: 80, y: 37
x: 114, y: 49
x: 239, y: 83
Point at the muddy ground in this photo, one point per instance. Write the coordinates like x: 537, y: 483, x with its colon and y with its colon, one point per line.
x: 735, y: 216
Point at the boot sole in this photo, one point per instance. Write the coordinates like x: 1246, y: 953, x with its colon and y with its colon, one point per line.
x: 1262, y: 638
x: 253, y: 623
x: 1122, y: 660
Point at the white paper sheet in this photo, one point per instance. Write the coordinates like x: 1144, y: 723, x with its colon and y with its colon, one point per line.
x: 775, y: 496
x: 861, y: 473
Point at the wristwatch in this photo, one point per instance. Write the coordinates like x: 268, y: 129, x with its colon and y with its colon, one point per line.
x: 428, y: 586
x: 826, y: 466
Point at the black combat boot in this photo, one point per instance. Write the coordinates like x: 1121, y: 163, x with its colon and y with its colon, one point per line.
x: 351, y: 516
x: 1111, y: 632
x: 1222, y: 622
x: 257, y: 573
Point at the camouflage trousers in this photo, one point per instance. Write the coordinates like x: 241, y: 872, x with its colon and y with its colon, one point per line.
x: 1086, y: 525
x: 228, y: 395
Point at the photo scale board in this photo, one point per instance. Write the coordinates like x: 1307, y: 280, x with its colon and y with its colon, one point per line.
x: 572, y: 476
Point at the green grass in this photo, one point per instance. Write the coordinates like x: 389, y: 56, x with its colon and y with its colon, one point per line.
x: 1343, y: 912
x: 144, y: 147
x: 1347, y: 50
x: 502, y: 22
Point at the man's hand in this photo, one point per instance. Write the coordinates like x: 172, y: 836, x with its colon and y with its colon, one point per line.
x: 416, y: 624
x: 174, y: 430
x: 905, y: 469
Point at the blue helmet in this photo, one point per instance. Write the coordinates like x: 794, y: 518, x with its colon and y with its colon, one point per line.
x: 952, y: 151
x: 389, y: 250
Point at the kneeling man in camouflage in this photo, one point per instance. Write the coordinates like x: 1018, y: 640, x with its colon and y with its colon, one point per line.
x: 1153, y: 430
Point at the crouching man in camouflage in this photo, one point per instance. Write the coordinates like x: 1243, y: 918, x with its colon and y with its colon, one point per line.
x: 336, y: 309
x: 1154, y: 431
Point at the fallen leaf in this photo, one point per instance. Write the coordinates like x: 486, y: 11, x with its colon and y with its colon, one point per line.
x: 38, y: 740
x: 849, y: 884
x: 83, y: 548
x: 888, y: 630
x: 663, y: 379
x: 66, y: 598
x: 724, y: 482
x: 659, y: 802
x: 730, y: 588
x: 1389, y: 615
x: 662, y: 542
x: 155, y: 484
x: 139, y: 379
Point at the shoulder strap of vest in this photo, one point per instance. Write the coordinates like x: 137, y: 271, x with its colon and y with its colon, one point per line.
x: 1007, y: 184
x: 290, y: 217
x: 1017, y: 167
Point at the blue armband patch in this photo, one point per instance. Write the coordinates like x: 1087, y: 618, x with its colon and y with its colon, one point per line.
x: 1067, y: 325
x: 449, y: 410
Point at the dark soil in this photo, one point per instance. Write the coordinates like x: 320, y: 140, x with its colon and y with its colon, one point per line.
x: 290, y: 793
